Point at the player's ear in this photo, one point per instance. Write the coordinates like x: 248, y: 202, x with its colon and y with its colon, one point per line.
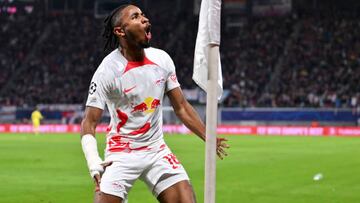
x: 119, y: 31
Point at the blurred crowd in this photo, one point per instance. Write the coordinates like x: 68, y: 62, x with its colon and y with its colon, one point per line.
x: 322, y: 66
x: 291, y: 61
x: 249, y: 57
x: 61, y: 65
x: 18, y: 34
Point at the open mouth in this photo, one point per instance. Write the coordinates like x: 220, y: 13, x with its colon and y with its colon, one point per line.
x: 148, y: 32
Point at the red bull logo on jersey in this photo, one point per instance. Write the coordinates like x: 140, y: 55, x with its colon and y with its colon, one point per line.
x: 147, y: 106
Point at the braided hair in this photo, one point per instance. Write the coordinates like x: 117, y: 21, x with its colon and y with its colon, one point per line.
x: 112, y: 20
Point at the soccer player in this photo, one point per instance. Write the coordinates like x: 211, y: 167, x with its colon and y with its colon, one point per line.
x: 132, y: 81
x: 36, y: 116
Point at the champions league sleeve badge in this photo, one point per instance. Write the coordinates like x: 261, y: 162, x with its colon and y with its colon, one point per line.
x: 92, y: 88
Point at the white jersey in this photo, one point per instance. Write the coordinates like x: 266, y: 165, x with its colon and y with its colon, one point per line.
x: 133, y: 93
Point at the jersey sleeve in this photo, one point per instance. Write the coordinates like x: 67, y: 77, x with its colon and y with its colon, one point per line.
x: 171, y: 81
x: 99, y: 89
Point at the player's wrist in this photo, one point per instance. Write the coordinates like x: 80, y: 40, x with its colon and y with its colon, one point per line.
x: 93, y: 173
x: 89, y: 147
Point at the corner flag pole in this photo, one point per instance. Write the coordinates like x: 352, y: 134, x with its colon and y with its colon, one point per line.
x: 207, y: 74
x: 211, y: 125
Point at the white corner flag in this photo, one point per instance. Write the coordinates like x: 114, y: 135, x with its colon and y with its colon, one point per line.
x: 208, y: 34
x: 207, y: 74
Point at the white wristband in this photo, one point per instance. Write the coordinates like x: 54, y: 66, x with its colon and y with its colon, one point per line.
x: 89, y: 147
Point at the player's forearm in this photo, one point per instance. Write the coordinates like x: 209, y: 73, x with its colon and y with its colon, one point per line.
x: 88, y: 142
x: 90, y: 121
x: 88, y: 127
x: 192, y: 120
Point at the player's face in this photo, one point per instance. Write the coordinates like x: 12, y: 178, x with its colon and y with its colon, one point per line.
x: 136, y: 27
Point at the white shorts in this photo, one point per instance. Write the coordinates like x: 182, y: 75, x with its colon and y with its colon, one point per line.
x: 158, y: 169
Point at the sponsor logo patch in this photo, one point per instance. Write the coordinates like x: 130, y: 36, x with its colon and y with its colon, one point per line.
x: 160, y: 81
x: 147, y: 106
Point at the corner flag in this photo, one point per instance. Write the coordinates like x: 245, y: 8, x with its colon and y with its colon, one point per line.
x: 208, y: 34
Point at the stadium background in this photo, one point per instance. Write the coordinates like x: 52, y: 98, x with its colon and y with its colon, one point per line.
x: 290, y: 67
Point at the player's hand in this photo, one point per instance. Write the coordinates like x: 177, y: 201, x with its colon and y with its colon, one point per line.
x: 97, y: 176
x: 221, y: 145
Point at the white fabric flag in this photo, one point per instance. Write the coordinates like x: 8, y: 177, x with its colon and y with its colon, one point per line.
x: 208, y: 33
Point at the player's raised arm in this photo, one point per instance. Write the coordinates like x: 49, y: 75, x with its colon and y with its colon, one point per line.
x: 186, y: 113
x: 191, y: 119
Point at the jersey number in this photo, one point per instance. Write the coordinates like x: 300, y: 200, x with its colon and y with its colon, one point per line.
x: 173, y: 161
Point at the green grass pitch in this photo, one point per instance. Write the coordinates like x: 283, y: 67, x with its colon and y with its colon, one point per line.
x: 51, y: 169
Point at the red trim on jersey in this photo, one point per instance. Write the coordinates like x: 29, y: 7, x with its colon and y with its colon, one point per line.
x: 141, y: 130
x: 162, y: 146
x: 127, y: 148
x: 134, y: 64
x: 108, y: 128
x: 119, y: 147
x: 123, y: 119
x: 115, y: 144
